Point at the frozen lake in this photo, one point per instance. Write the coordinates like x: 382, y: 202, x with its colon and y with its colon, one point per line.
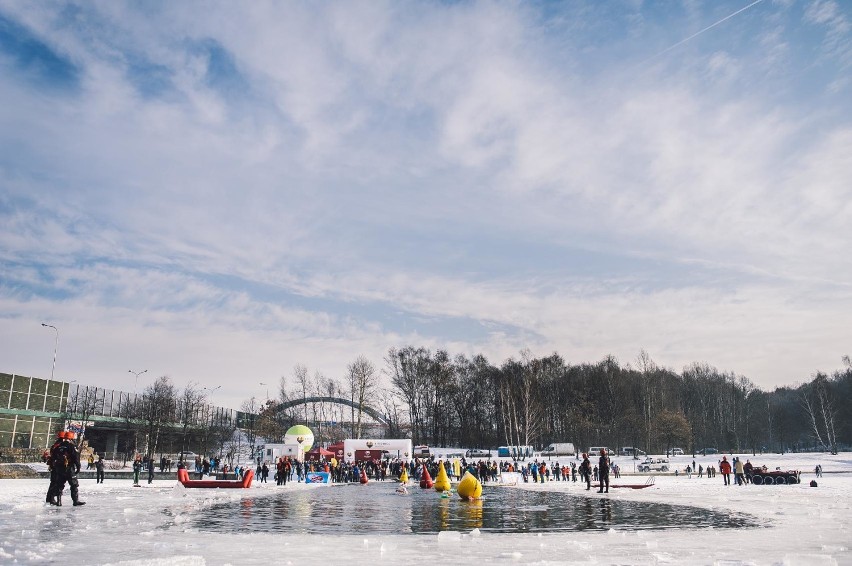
x: 166, y: 524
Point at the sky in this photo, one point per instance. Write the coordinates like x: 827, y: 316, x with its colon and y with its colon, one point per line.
x: 219, y: 191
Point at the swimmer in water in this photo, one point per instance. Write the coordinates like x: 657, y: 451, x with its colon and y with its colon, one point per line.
x: 402, y: 490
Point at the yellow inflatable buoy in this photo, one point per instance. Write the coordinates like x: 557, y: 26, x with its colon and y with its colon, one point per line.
x: 469, y: 487
x: 442, y: 481
x: 403, y: 478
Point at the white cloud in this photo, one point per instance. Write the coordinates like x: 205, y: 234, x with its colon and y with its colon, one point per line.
x: 395, y: 158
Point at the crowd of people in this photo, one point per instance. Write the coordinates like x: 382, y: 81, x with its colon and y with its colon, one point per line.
x: 63, y: 460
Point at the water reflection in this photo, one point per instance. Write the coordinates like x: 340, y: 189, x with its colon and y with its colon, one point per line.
x: 376, y: 508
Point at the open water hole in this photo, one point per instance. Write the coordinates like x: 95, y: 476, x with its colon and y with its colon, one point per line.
x: 376, y: 508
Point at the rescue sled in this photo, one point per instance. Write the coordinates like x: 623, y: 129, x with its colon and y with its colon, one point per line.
x: 183, y: 477
x: 648, y: 483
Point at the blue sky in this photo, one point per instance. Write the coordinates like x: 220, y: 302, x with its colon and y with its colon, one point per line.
x: 220, y: 191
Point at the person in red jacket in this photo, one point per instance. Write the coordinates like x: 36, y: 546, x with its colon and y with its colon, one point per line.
x: 725, y: 468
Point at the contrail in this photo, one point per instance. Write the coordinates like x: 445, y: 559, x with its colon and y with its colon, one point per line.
x: 696, y: 34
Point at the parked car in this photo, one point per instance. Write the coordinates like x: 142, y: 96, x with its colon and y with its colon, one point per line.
x: 675, y: 452
x: 477, y: 453
x: 595, y: 450
x: 632, y: 451
x: 654, y: 464
x: 706, y: 451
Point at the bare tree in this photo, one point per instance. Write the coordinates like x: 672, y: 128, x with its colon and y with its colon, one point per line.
x: 819, y: 405
x: 157, y: 410
x: 189, y: 411
x: 520, y: 404
x: 390, y: 406
x: 362, y: 380
x: 672, y: 427
x: 409, y: 373
x: 647, y: 369
x: 250, y: 421
x: 300, y: 374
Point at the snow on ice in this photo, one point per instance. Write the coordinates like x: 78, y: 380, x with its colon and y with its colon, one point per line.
x: 157, y: 525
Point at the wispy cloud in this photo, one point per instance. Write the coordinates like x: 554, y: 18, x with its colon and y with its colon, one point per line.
x: 230, y: 190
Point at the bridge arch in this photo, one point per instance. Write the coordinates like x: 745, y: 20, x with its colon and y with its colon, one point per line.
x: 340, y: 401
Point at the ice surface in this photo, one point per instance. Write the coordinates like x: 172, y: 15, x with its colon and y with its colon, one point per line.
x: 154, y: 525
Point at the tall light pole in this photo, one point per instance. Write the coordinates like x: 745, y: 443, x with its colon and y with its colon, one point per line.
x: 267, y: 389
x: 135, y: 389
x: 55, y: 347
x: 136, y: 381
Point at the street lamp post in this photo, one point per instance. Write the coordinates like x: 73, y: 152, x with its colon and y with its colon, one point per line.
x: 136, y: 381
x: 135, y: 399
x: 267, y: 389
x: 55, y: 347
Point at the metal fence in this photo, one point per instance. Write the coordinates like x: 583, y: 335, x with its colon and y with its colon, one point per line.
x: 33, y: 409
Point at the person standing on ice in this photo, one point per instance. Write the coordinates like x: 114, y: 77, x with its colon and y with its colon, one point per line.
x: 748, y: 468
x: 137, y: 469
x: 51, y: 489
x: 67, y: 463
x: 739, y: 471
x: 603, y: 471
x: 725, y: 469
x: 586, y: 471
x: 99, y: 470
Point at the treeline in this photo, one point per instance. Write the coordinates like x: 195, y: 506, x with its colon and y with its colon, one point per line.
x: 470, y: 402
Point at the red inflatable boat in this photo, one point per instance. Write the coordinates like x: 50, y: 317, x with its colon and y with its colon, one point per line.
x: 183, y: 477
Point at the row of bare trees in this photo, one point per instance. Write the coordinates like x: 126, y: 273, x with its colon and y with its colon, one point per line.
x: 443, y: 400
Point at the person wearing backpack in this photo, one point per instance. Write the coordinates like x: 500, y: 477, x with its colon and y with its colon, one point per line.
x: 66, y: 461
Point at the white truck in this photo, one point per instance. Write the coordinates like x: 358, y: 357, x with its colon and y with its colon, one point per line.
x: 653, y: 465
x: 560, y: 449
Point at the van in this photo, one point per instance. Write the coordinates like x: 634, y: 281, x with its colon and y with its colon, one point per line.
x: 421, y: 451
x: 596, y: 450
x: 560, y: 449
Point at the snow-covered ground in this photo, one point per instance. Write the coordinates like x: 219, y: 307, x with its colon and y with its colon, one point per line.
x: 153, y: 525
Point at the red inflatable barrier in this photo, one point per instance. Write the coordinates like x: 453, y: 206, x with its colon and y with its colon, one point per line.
x: 183, y: 477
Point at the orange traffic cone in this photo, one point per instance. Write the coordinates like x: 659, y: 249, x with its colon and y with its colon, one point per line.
x: 364, y: 479
x: 426, y: 479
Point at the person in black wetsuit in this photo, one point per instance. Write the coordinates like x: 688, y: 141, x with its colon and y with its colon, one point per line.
x: 586, y: 471
x: 66, y: 460
x: 603, y: 471
x: 51, y: 490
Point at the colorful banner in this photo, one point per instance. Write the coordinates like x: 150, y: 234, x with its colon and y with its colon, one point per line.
x: 318, y: 477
